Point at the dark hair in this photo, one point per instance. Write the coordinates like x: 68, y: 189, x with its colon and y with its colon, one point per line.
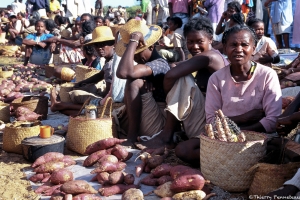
x: 22, y: 14
x: 87, y: 14
x: 199, y: 24
x: 168, y: 18
x: 235, y: 5
x: 40, y: 20
x: 32, y: 21
x: 50, y: 25
x: 105, y: 18
x: 177, y: 21
x: 89, y: 49
x: 253, y: 21
x: 62, y: 20
x: 87, y: 27
x: 98, y: 17
x: 238, y: 18
x: 236, y: 29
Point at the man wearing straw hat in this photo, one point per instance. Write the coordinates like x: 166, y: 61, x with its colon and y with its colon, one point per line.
x: 144, y: 95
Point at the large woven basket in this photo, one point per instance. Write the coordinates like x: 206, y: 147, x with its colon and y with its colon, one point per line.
x: 270, y: 177
x: 13, y: 136
x: 6, y: 74
x: 227, y: 164
x: 64, y: 92
x: 4, y: 112
x: 83, y: 132
x: 37, y: 104
x: 84, y: 72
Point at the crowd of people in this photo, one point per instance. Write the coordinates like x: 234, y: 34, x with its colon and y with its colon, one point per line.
x: 166, y: 64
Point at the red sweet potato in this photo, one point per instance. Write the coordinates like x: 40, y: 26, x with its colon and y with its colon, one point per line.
x: 103, y: 144
x: 43, y: 187
x: 51, y: 190
x: 163, y: 179
x: 48, y: 157
x: 68, y: 160
x: 116, y: 177
x: 150, y: 180
x: 155, y: 161
x: 129, y: 179
x: 49, y: 167
x: 161, y: 170
x: 108, y: 158
x: 180, y: 170
x: 130, y: 154
x: 102, y: 177
x: 115, y: 189
x: 61, y: 176
x: 109, y: 167
x: 120, y: 152
x: 93, y: 158
x: 139, y: 169
x: 187, y: 182
x: 147, y: 169
x: 39, y: 177
x: 86, y: 197
x: 77, y: 187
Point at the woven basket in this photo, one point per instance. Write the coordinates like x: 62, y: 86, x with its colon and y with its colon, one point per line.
x: 106, y: 110
x: 67, y: 74
x: 83, y: 132
x: 6, y: 74
x: 270, y: 177
x: 13, y: 136
x: 84, y: 72
x: 37, y: 104
x: 227, y: 164
x: 4, y: 112
x: 8, y: 50
x: 49, y: 70
x: 64, y: 92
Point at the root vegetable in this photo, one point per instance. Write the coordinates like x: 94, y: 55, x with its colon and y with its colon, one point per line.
x: 120, y: 152
x: 102, y: 177
x: 130, y: 154
x: 48, y: 157
x: 39, y: 177
x: 109, y: 167
x: 86, y: 197
x: 147, y: 169
x: 139, y: 169
x: 133, y: 193
x: 187, y: 182
x: 61, y: 176
x: 155, y: 161
x: 209, y: 131
x: 163, y: 179
x: 180, y: 170
x: 116, y: 189
x: 227, y: 131
x: 241, y: 137
x: 164, y: 190
x: 93, y: 158
x: 108, y: 158
x: 68, y: 160
x: 116, y: 177
x: 193, y: 194
x: 77, y: 187
x: 129, y: 179
x: 221, y: 133
x: 150, y: 180
x: 51, y: 190
x: 42, y: 188
x: 158, y: 151
x: 161, y: 170
x: 103, y: 144
x: 49, y: 167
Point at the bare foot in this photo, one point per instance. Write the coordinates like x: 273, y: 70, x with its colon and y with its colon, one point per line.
x: 156, y: 142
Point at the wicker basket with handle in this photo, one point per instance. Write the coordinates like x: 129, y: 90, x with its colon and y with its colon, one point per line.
x: 83, y: 132
x: 4, y: 112
x: 84, y: 72
x: 227, y: 164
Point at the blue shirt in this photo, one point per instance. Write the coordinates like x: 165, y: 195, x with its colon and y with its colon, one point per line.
x: 282, y: 12
x: 40, y: 4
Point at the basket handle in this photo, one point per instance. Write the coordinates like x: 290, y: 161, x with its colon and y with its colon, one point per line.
x: 104, y: 108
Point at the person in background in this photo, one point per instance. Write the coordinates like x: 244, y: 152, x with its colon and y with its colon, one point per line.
x: 90, y: 57
x: 237, y: 19
x: 147, y: 10
x: 40, y: 8
x: 109, y: 12
x: 22, y: 7
x: 30, y: 29
x: 63, y: 23
x: 98, y: 8
x: 24, y: 22
x: 86, y: 17
x: 99, y: 21
x: 54, y: 8
x: 14, y: 27
x: 181, y: 9
x: 52, y: 28
x: 15, y: 6
x: 163, y: 12
x: 266, y: 51
x: 108, y: 22
x: 282, y: 19
x: 118, y: 19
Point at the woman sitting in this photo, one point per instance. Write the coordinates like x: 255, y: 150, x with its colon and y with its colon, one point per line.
x: 37, y: 50
x: 90, y: 58
x: 247, y: 92
x: 266, y: 51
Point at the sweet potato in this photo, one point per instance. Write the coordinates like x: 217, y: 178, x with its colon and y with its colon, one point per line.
x: 115, y: 189
x: 116, y: 177
x: 193, y: 194
x: 103, y: 144
x: 42, y: 188
x: 48, y: 157
x: 102, y: 177
x: 129, y: 179
x: 86, y: 197
x: 61, y: 176
x: 163, y: 179
x: 149, y: 180
x: 164, y: 190
x: 155, y: 161
x: 68, y: 160
x: 130, y: 154
x: 147, y: 169
x: 50, y: 191
x: 161, y: 170
x: 49, y: 167
x: 93, y: 158
x: 109, y: 167
x: 179, y: 170
x: 77, y: 187
x: 158, y: 151
x: 187, y: 182
x: 108, y: 158
x: 120, y: 152
x: 39, y: 177
x: 139, y: 169
x: 133, y: 193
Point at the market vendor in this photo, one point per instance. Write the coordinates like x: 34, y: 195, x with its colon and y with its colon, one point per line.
x: 143, y: 114
x: 266, y: 51
x: 37, y: 50
x: 247, y: 92
x: 103, y: 42
x: 182, y: 91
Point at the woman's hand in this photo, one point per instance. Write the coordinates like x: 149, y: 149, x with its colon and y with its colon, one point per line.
x: 139, y: 37
x: 284, y: 125
x: 224, y: 16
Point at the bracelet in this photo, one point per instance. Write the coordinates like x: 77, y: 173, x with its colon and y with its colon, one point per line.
x: 133, y: 40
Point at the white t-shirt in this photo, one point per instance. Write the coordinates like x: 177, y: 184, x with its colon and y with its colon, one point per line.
x: 15, y: 6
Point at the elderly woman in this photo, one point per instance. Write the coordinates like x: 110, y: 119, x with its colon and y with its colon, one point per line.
x: 247, y: 92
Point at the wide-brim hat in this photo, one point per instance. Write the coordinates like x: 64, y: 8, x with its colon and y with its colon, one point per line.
x: 101, y: 34
x: 151, y: 35
x: 4, y: 20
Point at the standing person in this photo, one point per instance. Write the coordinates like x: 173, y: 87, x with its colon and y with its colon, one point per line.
x: 296, y: 31
x: 15, y: 6
x: 22, y: 7
x: 54, y: 8
x: 282, y: 19
x: 40, y: 8
x: 147, y: 10
x: 163, y: 12
x: 98, y: 8
x: 181, y: 9
x: 118, y: 19
x: 72, y: 9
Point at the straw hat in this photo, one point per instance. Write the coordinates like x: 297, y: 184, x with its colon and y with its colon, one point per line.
x: 4, y: 20
x: 151, y: 35
x: 101, y: 34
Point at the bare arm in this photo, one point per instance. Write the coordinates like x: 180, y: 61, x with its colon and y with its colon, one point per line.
x: 170, y: 9
x: 220, y: 28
